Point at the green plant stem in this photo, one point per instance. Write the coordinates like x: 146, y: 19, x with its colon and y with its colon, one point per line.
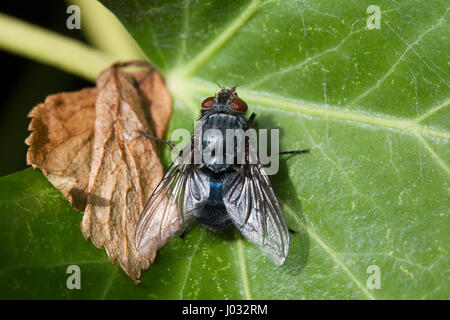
x: 22, y: 38
x: 98, y: 21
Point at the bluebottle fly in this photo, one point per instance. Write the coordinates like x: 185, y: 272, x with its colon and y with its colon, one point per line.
x: 216, y: 194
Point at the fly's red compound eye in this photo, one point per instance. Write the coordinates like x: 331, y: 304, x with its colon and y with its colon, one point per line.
x: 238, y: 105
x: 208, y: 102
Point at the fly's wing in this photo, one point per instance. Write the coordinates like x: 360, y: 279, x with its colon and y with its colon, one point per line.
x: 256, y: 212
x: 182, y: 190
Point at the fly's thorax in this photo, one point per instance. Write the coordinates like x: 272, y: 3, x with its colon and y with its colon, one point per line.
x: 218, y: 152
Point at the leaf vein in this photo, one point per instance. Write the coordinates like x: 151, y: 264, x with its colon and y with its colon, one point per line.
x: 305, y: 61
x: 432, y: 111
x: 243, y: 268
x: 188, y: 269
x: 221, y: 39
x: 268, y: 100
x: 109, y: 284
x: 397, y: 62
x: 438, y: 159
x: 330, y: 252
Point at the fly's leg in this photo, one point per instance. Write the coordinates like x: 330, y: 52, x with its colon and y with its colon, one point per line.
x: 145, y: 134
x: 294, y: 151
x: 250, y: 124
x: 250, y: 120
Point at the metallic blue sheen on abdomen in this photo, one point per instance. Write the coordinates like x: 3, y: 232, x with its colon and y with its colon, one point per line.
x: 215, y: 193
x: 213, y: 214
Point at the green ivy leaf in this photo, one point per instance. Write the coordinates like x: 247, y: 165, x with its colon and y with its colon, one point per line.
x: 370, y: 103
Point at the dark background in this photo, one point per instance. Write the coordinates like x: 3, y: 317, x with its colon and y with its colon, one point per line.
x: 26, y: 83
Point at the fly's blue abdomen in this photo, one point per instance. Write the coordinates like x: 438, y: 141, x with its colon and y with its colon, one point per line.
x: 213, y: 214
x: 215, y: 193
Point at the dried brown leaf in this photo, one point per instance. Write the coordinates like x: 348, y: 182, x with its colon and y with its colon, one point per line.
x: 60, y: 143
x: 87, y: 145
x: 157, y: 100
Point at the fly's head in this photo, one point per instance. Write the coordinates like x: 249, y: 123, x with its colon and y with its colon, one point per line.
x: 225, y: 101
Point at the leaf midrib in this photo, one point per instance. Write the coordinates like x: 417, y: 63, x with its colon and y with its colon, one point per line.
x: 404, y: 125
